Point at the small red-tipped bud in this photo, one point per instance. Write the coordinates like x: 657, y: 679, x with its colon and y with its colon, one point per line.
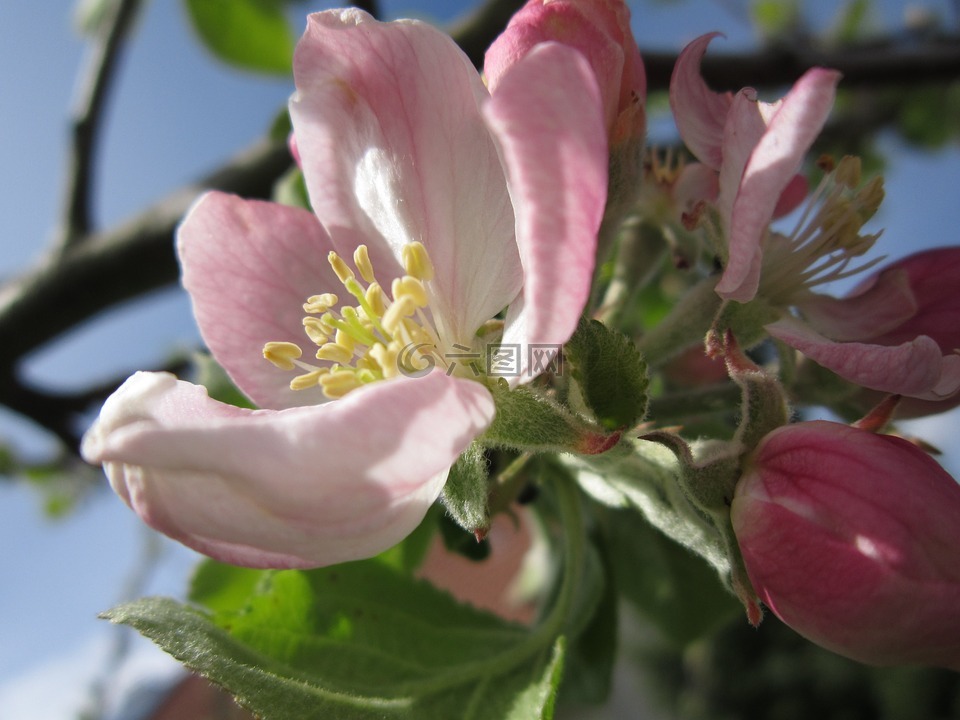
x: 596, y: 443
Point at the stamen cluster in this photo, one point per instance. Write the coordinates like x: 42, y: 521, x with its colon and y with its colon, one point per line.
x: 375, y: 339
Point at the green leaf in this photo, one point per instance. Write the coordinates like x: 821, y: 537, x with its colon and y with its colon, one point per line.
x: 673, y: 588
x: 249, y: 34
x: 611, y: 372
x: 466, y: 492
x: 355, y: 642
x: 527, y: 421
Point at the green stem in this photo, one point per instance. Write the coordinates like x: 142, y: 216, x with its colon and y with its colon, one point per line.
x: 685, y: 326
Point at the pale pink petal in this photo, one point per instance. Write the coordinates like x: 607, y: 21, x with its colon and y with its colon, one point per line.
x: 915, y: 369
x: 303, y: 487
x: 394, y: 148
x: 249, y: 266
x: 874, y: 309
x: 771, y: 167
x: 742, y: 134
x: 547, y: 116
x: 699, y: 112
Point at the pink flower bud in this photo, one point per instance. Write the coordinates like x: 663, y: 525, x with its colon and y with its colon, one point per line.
x: 852, y: 539
x: 600, y: 31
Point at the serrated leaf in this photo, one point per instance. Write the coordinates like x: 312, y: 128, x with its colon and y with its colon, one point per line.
x: 611, y: 372
x: 249, y: 34
x: 355, y: 642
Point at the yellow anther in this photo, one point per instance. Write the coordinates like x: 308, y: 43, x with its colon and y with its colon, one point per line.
x: 282, y: 354
x: 870, y: 197
x: 339, y: 383
x: 409, y: 286
x: 317, y: 304
x: 308, y: 380
x: 316, y: 330
x: 361, y: 258
x: 339, y: 267
x: 375, y: 299
x: 416, y: 261
x: 848, y: 171
x: 386, y: 358
x: 334, y: 353
x: 404, y: 306
x: 345, y: 340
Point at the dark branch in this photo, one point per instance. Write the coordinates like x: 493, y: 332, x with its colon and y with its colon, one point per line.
x: 118, y: 265
x: 882, y: 65
x: 86, y: 121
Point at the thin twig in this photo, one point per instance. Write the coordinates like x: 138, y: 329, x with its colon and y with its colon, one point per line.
x: 86, y: 121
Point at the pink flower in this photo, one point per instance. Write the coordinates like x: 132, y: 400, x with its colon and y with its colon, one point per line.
x: 472, y: 202
x: 851, y: 538
x: 756, y: 150
x: 600, y: 30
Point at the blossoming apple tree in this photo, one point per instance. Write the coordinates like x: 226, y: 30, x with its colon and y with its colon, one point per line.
x: 462, y: 287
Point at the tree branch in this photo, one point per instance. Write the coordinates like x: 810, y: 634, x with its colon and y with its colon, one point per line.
x: 885, y: 64
x: 86, y: 121
x: 114, y: 266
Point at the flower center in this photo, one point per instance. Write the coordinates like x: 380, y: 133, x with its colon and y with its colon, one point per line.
x: 827, y: 237
x: 375, y: 339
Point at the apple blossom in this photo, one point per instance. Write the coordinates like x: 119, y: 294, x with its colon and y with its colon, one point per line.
x: 756, y: 150
x: 851, y: 539
x: 469, y: 202
x: 600, y: 31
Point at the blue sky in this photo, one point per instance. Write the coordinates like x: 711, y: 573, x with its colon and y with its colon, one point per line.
x: 175, y: 113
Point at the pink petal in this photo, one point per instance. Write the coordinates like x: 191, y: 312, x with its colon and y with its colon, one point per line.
x: 873, y: 309
x: 547, y: 115
x: 249, y: 266
x: 303, y: 487
x: 600, y: 30
x: 915, y: 369
x: 699, y: 112
x: 771, y: 167
x: 394, y: 149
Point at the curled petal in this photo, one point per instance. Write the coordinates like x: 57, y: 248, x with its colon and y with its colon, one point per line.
x: 700, y: 113
x: 933, y: 277
x: 302, y: 487
x: 394, y: 148
x: 882, y: 304
x: 914, y: 369
x: 547, y: 116
x: 772, y: 165
x: 249, y: 266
